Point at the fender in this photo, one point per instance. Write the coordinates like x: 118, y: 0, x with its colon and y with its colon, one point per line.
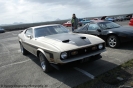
x: 50, y: 58
x: 40, y: 50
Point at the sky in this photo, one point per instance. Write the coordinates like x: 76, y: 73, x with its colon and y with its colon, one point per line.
x: 30, y: 11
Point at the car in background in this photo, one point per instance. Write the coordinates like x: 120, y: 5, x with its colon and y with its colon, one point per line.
x: 68, y: 24
x: 110, y: 19
x: 111, y: 32
x: 126, y: 18
x: 120, y: 18
x: 2, y: 30
x: 80, y: 19
x: 85, y: 21
x: 55, y: 45
x: 129, y: 16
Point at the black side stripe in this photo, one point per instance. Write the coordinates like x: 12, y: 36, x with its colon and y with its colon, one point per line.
x: 35, y: 47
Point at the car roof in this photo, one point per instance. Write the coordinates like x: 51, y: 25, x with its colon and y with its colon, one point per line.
x: 45, y: 26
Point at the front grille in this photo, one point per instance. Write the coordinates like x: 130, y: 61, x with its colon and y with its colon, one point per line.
x: 83, y: 51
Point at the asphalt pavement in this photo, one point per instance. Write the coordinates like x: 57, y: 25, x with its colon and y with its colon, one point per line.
x: 16, y: 69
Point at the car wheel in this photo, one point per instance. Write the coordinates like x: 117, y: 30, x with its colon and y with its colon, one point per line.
x: 44, y: 63
x: 113, y: 41
x: 23, y: 50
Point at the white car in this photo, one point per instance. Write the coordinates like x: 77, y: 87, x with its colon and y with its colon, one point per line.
x: 54, y: 44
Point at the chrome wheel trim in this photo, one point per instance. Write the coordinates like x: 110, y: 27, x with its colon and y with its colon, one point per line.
x: 42, y: 62
x: 112, y: 42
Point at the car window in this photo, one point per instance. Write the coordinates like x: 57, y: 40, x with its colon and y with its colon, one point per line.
x: 50, y: 30
x: 108, y: 25
x: 102, y: 25
x: 29, y: 31
x: 84, y: 27
x: 93, y: 27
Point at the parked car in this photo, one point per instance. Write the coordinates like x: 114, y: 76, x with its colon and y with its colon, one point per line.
x: 80, y: 19
x: 111, y: 32
x: 131, y: 22
x: 85, y: 21
x: 68, y: 24
x: 55, y: 45
x: 109, y: 19
x: 125, y: 18
x: 129, y: 16
x: 2, y: 30
x: 119, y: 18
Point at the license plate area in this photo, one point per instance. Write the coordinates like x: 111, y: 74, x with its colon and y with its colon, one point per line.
x: 85, y: 60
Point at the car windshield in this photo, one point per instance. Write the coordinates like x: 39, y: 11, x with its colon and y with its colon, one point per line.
x: 50, y: 30
x: 108, y: 25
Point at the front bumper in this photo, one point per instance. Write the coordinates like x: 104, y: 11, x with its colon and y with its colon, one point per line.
x: 82, y: 56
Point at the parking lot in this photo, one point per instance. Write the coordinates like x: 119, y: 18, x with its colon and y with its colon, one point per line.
x: 16, y: 69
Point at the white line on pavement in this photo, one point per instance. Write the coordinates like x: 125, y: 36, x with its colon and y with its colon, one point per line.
x: 14, y: 63
x: 84, y: 72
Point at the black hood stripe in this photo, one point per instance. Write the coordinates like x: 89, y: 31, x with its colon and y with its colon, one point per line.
x: 70, y: 38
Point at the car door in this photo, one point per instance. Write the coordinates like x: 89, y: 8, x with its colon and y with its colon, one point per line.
x: 93, y: 29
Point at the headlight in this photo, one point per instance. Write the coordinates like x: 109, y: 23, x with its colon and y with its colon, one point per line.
x: 100, y: 46
x: 64, y: 55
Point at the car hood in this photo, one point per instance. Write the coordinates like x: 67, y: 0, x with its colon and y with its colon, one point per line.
x: 69, y: 41
x: 126, y: 30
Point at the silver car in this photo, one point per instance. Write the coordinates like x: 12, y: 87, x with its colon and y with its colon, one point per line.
x: 55, y: 44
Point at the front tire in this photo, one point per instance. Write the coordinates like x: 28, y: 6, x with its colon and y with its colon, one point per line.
x: 44, y: 63
x: 113, y: 41
x: 23, y: 50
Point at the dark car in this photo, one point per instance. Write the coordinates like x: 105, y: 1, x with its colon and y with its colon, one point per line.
x: 2, y: 30
x: 126, y: 18
x: 111, y: 32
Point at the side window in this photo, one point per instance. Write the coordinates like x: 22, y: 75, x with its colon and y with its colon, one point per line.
x: 85, y: 27
x: 102, y: 25
x: 93, y: 27
x: 29, y: 31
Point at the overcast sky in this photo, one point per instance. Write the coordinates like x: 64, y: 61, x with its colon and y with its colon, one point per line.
x: 47, y: 10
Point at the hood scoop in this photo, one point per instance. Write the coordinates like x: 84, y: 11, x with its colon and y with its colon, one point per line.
x: 66, y: 41
x: 83, y: 37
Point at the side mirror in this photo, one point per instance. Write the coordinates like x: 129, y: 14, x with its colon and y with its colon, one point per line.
x: 98, y: 30
x: 29, y: 36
